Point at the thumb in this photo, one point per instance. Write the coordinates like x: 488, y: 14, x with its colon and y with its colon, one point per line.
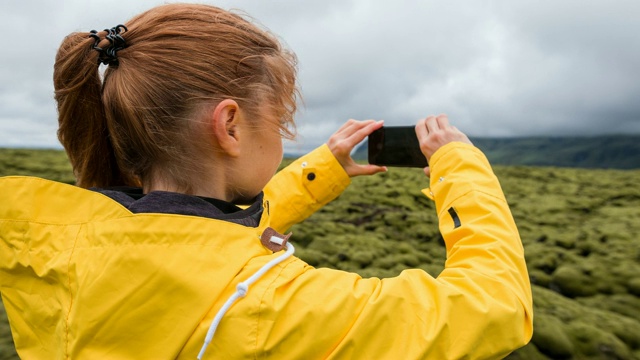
x: 359, y: 170
x: 372, y: 169
x: 427, y: 171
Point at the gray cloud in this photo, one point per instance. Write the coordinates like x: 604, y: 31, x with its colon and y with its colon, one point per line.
x: 498, y: 68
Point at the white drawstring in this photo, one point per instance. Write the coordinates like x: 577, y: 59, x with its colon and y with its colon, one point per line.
x: 241, y: 291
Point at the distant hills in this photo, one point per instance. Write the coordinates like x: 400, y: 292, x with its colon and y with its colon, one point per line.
x: 604, y: 152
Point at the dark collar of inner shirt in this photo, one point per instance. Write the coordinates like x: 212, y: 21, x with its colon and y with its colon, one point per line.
x: 137, y: 194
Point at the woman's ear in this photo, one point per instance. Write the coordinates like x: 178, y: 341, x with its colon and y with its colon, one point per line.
x: 226, y: 116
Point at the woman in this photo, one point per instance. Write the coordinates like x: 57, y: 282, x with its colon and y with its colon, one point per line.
x: 170, y: 248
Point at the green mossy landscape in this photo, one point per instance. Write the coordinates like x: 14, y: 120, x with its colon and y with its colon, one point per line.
x: 578, y: 226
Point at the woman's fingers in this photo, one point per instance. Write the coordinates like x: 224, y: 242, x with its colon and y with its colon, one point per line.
x: 434, y: 132
x: 351, y: 134
x: 358, y: 170
x: 343, y: 141
x: 443, y: 121
x: 436, y: 123
x: 431, y: 124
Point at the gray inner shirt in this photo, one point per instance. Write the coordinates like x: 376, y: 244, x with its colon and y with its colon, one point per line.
x: 165, y: 202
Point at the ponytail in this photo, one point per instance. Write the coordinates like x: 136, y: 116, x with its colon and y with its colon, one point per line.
x: 83, y: 129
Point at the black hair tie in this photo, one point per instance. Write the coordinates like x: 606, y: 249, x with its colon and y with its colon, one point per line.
x: 108, y: 56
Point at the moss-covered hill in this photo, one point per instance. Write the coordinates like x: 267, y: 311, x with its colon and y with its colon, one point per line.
x: 579, y: 229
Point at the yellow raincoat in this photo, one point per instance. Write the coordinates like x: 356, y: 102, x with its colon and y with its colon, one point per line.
x: 83, y: 278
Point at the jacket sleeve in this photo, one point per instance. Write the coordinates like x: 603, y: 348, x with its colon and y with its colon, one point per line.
x: 303, y: 187
x: 479, y: 307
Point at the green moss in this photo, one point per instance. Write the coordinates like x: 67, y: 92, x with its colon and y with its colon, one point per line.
x: 550, y: 337
x: 527, y: 352
x: 623, y: 331
x: 539, y: 277
x: 624, y: 304
x: 364, y: 258
x: 545, y: 261
x: 634, y: 286
x: 48, y: 164
x: 7, y: 349
x: 571, y: 281
x: 592, y: 341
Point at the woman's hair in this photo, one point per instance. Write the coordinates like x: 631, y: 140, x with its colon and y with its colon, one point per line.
x: 140, y: 119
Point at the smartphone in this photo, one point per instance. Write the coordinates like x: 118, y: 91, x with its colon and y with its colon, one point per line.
x: 395, y: 146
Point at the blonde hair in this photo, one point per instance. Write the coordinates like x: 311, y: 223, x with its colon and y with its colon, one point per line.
x: 179, y: 58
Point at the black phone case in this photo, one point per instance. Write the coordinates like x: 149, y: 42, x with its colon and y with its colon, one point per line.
x: 396, y: 146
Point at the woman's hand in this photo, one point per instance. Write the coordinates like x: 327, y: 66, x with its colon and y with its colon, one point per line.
x: 434, y: 132
x: 342, y: 142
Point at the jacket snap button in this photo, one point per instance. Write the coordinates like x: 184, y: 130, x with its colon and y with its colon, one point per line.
x: 311, y: 176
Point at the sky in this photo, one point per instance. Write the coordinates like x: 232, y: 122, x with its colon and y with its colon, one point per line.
x: 498, y: 68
